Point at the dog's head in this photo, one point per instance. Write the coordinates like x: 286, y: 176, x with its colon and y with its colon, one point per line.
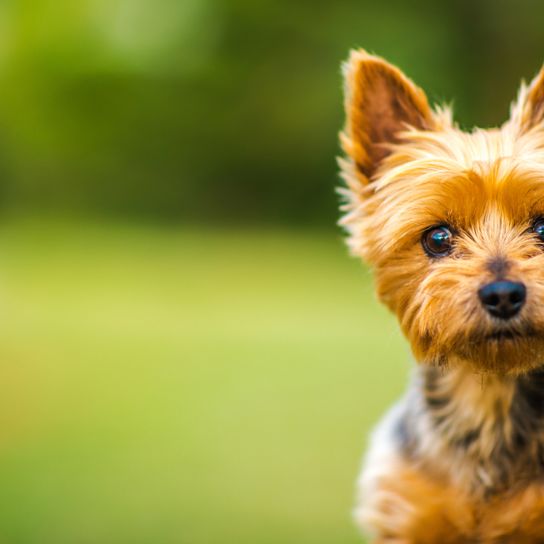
x: 452, y: 223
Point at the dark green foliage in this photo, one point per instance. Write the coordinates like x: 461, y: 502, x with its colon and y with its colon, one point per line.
x: 225, y: 109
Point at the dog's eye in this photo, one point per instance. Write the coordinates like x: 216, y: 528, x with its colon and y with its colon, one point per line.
x: 538, y: 228
x: 438, y: 241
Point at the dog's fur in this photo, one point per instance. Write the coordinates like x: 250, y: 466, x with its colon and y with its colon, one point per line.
x: 461, y: 457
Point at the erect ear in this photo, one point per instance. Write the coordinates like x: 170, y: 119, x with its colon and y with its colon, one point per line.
x: 528, y: 110
x: 380, y: 102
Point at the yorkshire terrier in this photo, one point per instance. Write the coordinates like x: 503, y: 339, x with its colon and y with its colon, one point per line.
x: 452, y: 225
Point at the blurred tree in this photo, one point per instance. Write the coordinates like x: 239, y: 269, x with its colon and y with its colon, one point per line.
x: 214, y: 110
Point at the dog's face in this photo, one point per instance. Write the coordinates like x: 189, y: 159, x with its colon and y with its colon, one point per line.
x: 452, y: 223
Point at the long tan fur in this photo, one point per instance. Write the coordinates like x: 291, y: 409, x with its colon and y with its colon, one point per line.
x: 466, y: 468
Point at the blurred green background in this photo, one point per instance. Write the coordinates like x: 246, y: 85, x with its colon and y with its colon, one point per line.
x: 188, y: 354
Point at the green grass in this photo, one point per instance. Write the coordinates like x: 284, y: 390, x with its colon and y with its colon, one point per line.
x: 179, y: 386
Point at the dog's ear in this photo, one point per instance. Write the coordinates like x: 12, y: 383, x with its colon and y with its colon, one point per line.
x: 380, y: 103
x: 528, y: 110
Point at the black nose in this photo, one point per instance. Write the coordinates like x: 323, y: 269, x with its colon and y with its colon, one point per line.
x: 503, y: 299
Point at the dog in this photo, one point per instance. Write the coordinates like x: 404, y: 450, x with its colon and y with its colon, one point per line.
x: 452, y: 225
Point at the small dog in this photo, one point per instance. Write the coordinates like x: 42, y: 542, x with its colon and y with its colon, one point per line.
x: 452, y: 225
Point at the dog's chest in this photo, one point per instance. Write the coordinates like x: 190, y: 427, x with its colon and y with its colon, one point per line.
x: 507, y: 518
x: 485, y: 437
x: 418, y: 508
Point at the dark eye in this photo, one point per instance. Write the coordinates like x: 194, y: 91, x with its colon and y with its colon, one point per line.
x: 538, y: 228
x: 438, y: 241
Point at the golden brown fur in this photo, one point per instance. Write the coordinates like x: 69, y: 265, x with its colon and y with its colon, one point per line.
x: 411, y: 507
x: 461, y: 458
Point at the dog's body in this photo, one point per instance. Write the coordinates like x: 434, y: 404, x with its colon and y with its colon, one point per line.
x: 452, y: 224
x: 459, y: 460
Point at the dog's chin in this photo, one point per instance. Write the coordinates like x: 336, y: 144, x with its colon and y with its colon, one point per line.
x: 502, y: 351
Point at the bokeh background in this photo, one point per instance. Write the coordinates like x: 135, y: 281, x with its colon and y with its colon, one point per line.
x: 188, y: 355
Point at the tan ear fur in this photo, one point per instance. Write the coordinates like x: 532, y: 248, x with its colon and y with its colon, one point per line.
x: 380, y: 102
x: 528, y: 110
